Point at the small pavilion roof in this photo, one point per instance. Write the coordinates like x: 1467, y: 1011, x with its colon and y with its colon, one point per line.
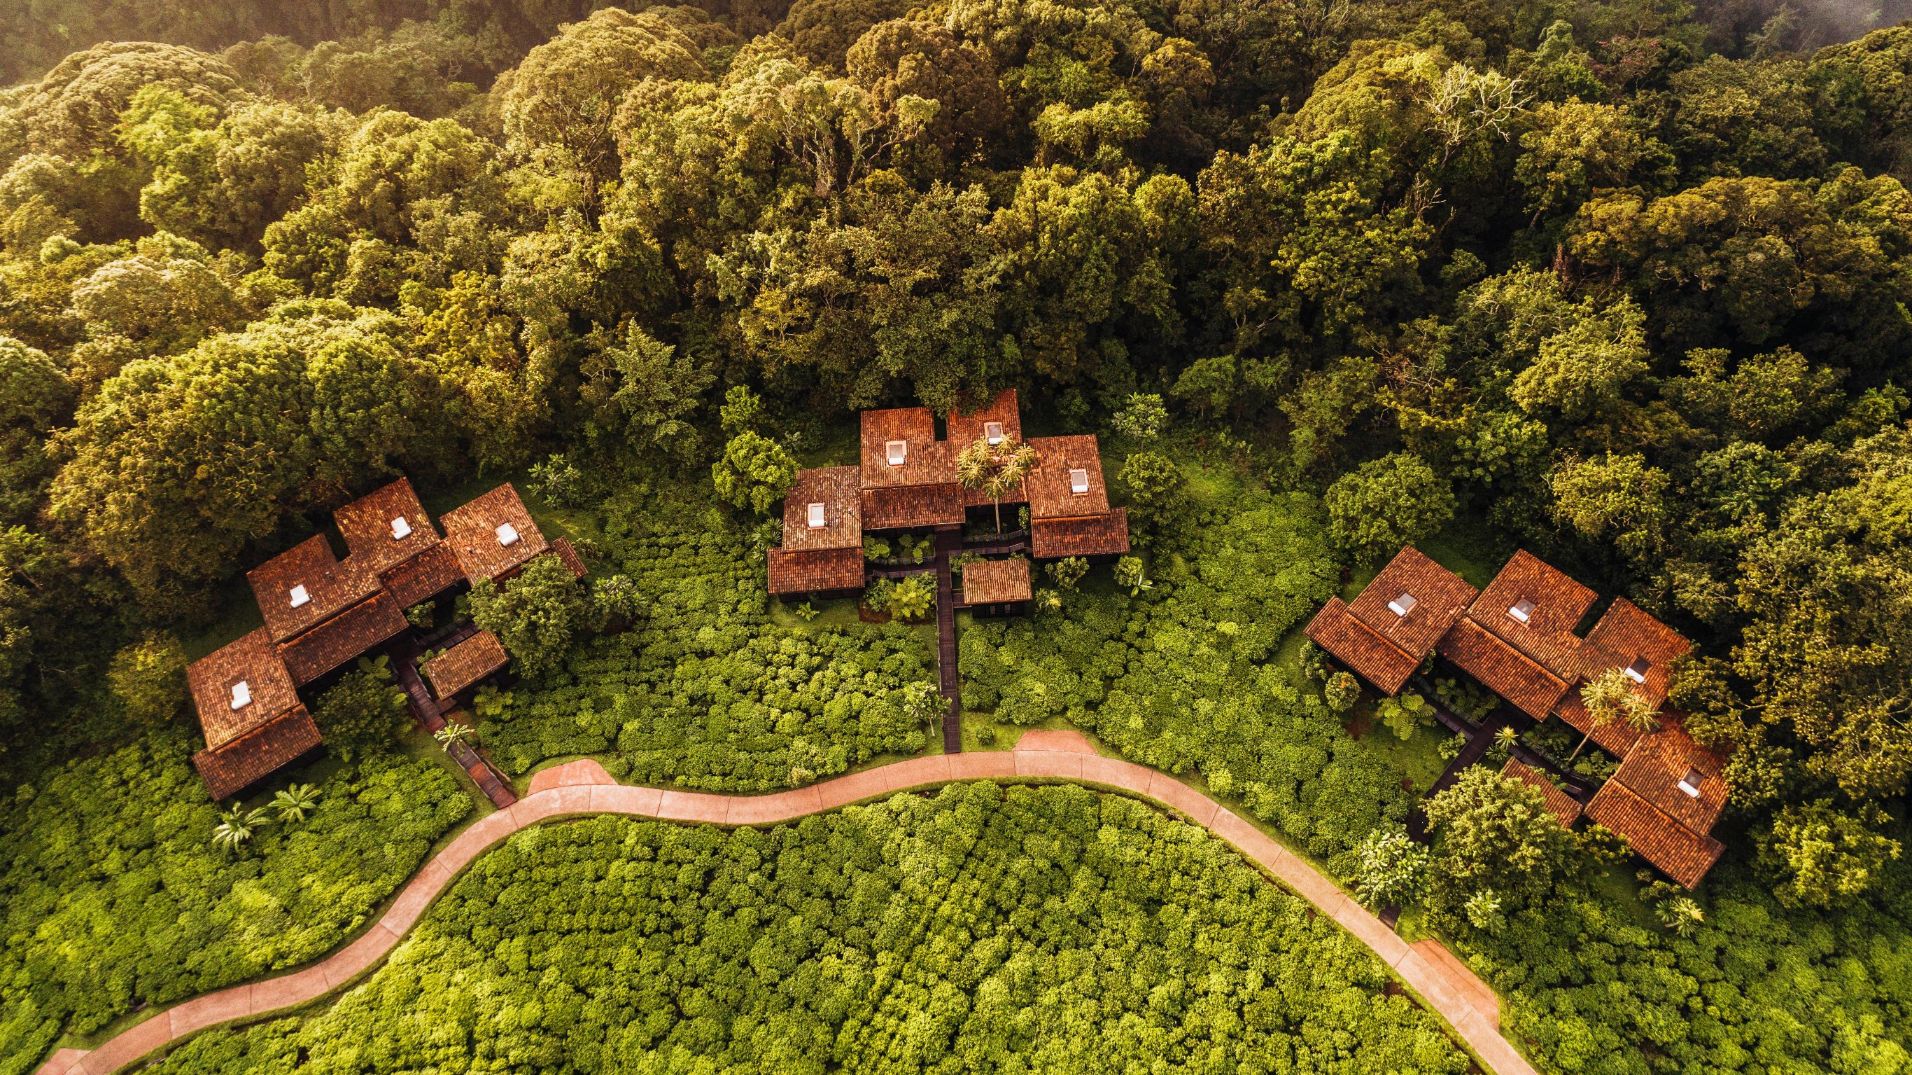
x: 465, y: 664
x: 996, y: 582
x: 834, y: 490
x: 1559, y: 803
x: 1412, y: 602
x: 1356, y: 645
x: 1664, y: 799
x: 1053, y: 481
x: 815, y: 570
x: 373, y: 531
x: 1096, y: 535
x: 926, y: 460
x: 474, y: 532
x: 1553, y: 603
x: 305, y: 585
x: 1616, y: 737
x: 268, y: 690
x: 259, y: 753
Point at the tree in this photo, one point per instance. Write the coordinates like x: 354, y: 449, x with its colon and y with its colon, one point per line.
x: 295, y: 802
x: 34, y: 397
x: 362, y: 712
x: 1493, y: 833
x: 995, y: 469
x: 1611, y: 699
x: 1385, y: 503
x: 1404, y: 713
x: 1155, y: 486
x: 1617, y: 499
x: 1142, y: 417
x: 1067, y: 572
x: 537, y: 615
x: 1132, y: 575
x: 236, y: 828
x: 1341, y: 691
x: 1390, y: 869
x: 1826, y: 856
x: 149, y: 678
x: 754, y: 473
x: 646, y: 391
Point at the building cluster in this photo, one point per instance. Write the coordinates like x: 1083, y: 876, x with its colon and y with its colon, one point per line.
x: 322, y: 612
x: 1518, y: 637
x: 907, y: 480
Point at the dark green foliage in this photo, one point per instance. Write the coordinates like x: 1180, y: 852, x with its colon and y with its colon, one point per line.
x: 112, y: 895
x: 363, y: 712
x: 537, y: 615
x: 984, y: 929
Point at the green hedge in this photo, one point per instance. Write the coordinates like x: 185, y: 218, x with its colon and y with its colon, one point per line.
x: 981, y: 930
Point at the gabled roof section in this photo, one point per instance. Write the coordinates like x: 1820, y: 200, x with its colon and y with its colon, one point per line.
x: 1561, y: 805
x: 259, y: 753
x: 493, y: 535
x: 1094, y: 535
x: 1412, y: 602
x: 1356, y: 645
x: 305, y: 585
x: 968, y: 427
x: 1553, y: 604
x: 330, y: 645
x: 815, y: 570
x: 1066, y: 482
x: 465, y: 664
x: 1628, y: 638
x: 925, y: 460
x: 424, y: 576
x: 1501, y: 668
x: 996, y: 582
x: 1664, y: 799
x: 386, y: 527
x: 268, y: 690
x: 834, y: 490
x: 1676, y: 850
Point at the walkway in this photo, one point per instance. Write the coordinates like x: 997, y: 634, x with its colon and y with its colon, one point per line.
x: 948, y: 543
x: 1443, y: 983
x: 429, y: 714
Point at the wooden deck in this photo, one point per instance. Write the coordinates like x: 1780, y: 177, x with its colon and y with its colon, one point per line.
x: 429, y: 714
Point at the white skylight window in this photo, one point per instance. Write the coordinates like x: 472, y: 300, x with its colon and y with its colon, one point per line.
x: 1523, y: 610
x: 1690, y: 783
x: 896, y: 451
x: 401, y: 528
x: 507, y: 534
x: 1637, y: 670
x: 992, y: 431
x: 1078, y: 481
x: 299, y: 595
x: 241, y: 694
x: 1403, y: 604
x: 816, y: 516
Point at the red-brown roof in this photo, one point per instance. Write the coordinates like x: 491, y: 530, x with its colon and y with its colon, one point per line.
x: 1502, y: 668
x: 1052, y: 494
x: 1644, y: 803
x: 912, y: 507
x: 968, y: 427
x: 1616, y: 737
x: 1559, y: 803
x: 1433, y: 597
x: 835, y: 488
x: 269, y: 689
x: 368, y: 526
x: 424, y: 576
x: 1678, y: 852
x: 996, y: 582
x: 465, y: 663
x: 1626, y: 637
x: 1096, y: 535
x: 926, y: 460
x: 347, y: 635
x: 472, y: 530
x: 1356, y: 645
x: 1554, y: 602
x: 815, y: 570
x: 328, y: 586
x: 251, y: 758
x: 568, y: 553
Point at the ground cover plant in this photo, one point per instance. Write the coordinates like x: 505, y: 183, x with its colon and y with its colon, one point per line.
x: 113, y: 895
x: 980, y: 929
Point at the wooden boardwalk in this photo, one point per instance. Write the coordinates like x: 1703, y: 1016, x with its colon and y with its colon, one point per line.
x: 1443, y: 983
x: 949, y: 543
x: 429, y: 714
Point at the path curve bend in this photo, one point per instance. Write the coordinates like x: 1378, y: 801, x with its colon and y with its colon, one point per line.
x: 1443, y: 983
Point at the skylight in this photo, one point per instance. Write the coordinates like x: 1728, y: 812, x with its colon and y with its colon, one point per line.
x: 1403, y: 604
x: 241, y: 694
x: 1690, y: 783
x: 1523, y: 610
x: 401, y: 528
x: 816, y: 516
x: 1078, y: 480
x: 896, y: 451
x: 299, y: 595
x: 507, y: 534
x: 992, y: 431
x: 1637, y: 670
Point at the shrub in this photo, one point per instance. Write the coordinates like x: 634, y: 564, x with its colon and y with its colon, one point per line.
x: 149, y: 679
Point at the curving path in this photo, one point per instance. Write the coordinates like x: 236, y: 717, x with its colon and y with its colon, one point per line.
x: 1444, y: 984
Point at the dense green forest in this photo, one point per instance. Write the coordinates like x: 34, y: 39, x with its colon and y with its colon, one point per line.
x: 1624, y: 282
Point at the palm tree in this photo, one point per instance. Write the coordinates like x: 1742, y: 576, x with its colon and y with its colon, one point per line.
x: 236, y: 827
x: 1610, y: 697
x: 994, y: 469
x: 295, y: 802
x: 454, y: 733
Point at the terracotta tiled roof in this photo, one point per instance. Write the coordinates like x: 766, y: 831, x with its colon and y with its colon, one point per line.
x: 367, y: 525
x: 1678, y: 852
x: 1626, y: 637
x: 1051, y: 494
x: 465, y: 663
x: 565, y: 551
x: 269, y: 689
x: 996, y: 582
x: 1433, y: 596
x: 251, y: 758
x: 926, y: 460
x: 472, y: 531
x: 1616, y: 737
x: 1554, y: 604
x: 815, y: 571
x: 327, y: 585
x: 425, y: 576
x: 1502, y: 668
x: 1653, y: 771
x: 1356, y: 645
x: 835, y: 488
x: 1559, y: 803
x: 911, y: 507
x: 343, y: 637
x: 1096, y: 535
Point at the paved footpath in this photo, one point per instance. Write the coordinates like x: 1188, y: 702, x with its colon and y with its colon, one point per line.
x: 1443, y: 983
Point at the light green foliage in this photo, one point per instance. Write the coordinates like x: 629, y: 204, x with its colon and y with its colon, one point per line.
x: 1341, y: 691
x: 754, y: 472
x: 1494, y: 833
x: 1386, y: 503
x: 1132, y: 575
x: 1067, y: 572
x: 1826, y: 856
x: 913, y: 599
x: 982, y: 929
x: 149, y: 679
x: 537, y: 615
x: 1142, y: 417
x: 1390, y: 868
x: 1404, y: 713
x: 115, y: 896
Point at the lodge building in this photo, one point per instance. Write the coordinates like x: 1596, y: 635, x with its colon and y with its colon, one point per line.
x: 321, y: 612
x: 1517, y: 637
